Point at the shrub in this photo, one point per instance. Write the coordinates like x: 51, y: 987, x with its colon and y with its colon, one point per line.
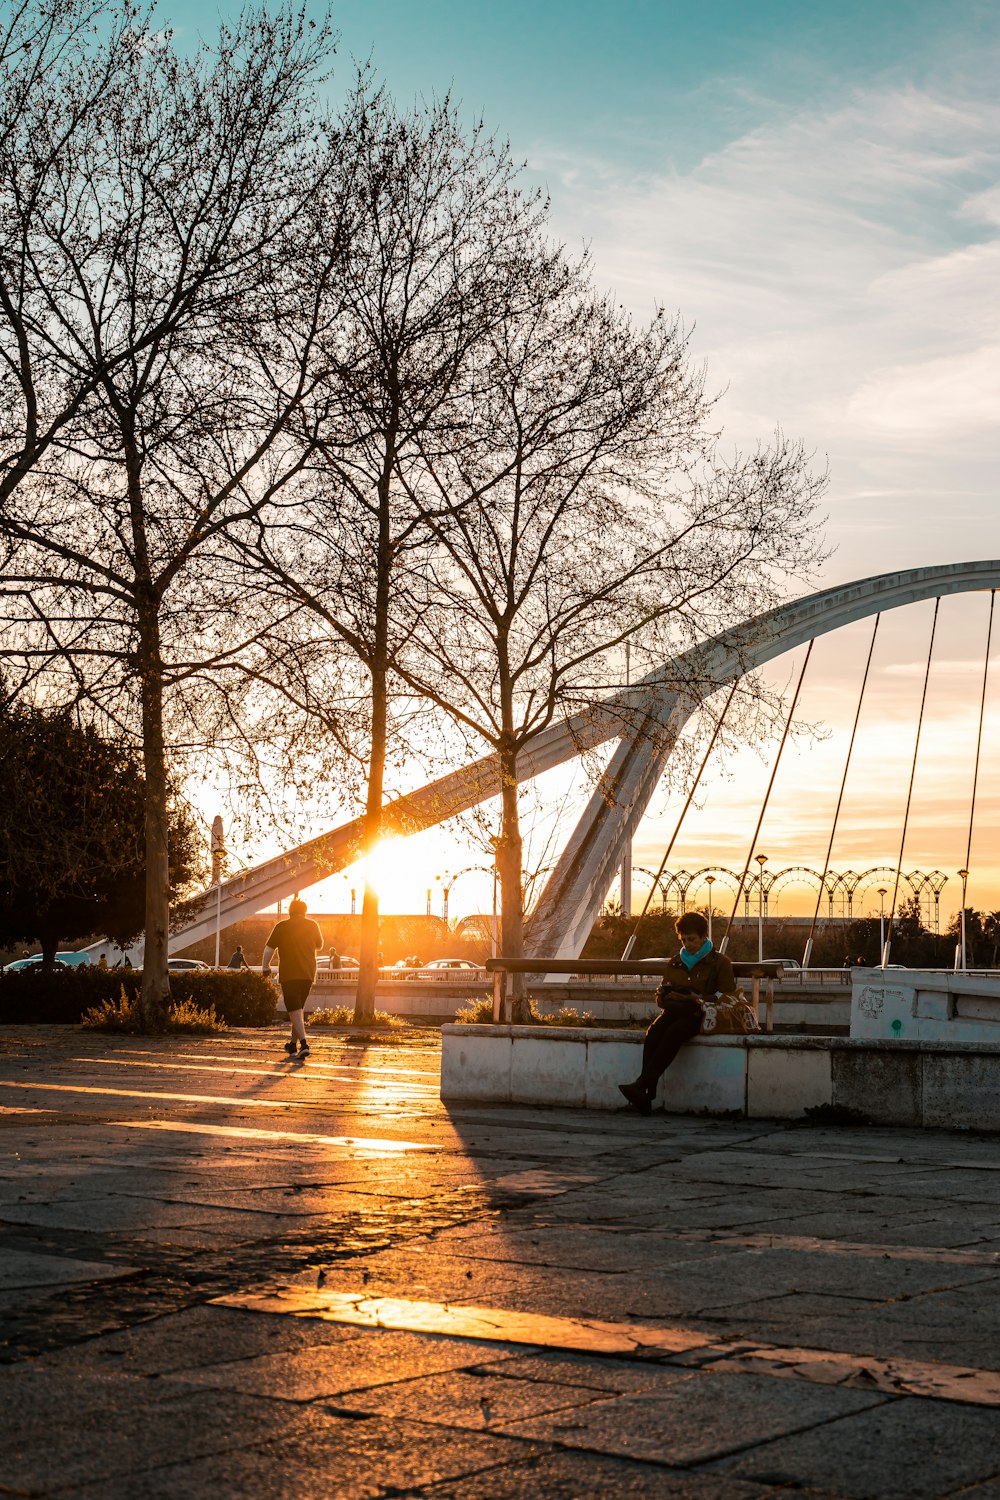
x: 565, y: 1016
x: 475, y: 1012
x: 343, y: 1015
x: 123, y: 1015
x: 186, y: 1016
x: 62, y: 996
x: 480, y: 1013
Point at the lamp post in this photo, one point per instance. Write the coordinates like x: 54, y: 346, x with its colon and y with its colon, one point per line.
x: 964, y: 877
x: 881, y: 919
x: 218, y: 860
x: 761, y: 862
x: 710, y: 881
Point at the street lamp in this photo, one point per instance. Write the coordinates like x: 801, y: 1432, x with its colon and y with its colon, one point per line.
x: 710, y: 881
x: 964, y: 876
x: 218, y: 863
x: 881, y: 920
x: 761, y: 862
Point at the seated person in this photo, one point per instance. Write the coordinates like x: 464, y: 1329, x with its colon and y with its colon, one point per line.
x: 698, y: 973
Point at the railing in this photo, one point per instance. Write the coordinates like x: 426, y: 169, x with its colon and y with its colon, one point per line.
x: 389, y: 974
x: 649, y: 968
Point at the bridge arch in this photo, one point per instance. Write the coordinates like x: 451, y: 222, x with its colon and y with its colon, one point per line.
x: 565, y: 912
x: 663, y: 701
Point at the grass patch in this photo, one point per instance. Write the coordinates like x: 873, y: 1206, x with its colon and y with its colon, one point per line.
x: 184, y: 1017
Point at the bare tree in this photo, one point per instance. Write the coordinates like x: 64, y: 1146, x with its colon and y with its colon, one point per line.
x: 440, y: 224
x: 585, y: 507
x: 163, y: 282
x: 54, y: 79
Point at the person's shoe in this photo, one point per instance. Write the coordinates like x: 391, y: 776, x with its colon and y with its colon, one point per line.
x: 290, y: 1047
x: 637, y: 1097
x: 303, y: 1049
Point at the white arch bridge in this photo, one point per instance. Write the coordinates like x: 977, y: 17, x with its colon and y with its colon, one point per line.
x: 660, y: 704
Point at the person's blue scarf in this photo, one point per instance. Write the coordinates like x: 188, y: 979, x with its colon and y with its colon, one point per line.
x: 690, y: 959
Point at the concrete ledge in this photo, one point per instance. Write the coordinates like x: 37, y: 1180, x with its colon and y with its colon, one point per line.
x: 925, y: 1005
x: 935, y: 1084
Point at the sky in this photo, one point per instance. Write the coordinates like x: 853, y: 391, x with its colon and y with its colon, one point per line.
x: 816, y: 189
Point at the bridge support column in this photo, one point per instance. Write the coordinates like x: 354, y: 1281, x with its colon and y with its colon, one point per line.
x: 626, y: 881
x: 575, y: 891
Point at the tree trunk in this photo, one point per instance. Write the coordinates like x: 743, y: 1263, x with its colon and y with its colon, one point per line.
x: 511, y: 873
x: 368, y: 957
x: 50, y: 944
x: 155, y: 993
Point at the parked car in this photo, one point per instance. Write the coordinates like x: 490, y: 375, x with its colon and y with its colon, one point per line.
x: 183, y: 965
x: 445, y: 968
x: 67, y: 960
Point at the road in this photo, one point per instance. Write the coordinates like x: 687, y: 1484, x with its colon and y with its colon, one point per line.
x: 224, y: 1274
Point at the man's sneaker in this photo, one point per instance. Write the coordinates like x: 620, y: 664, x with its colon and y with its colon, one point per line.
x: 637, y: 1097
x: 290, y: 1048
x: 303, y: 1049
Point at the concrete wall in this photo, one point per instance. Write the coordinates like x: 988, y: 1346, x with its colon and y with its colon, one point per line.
x: 949, y: 1085
x: 924, y: 1005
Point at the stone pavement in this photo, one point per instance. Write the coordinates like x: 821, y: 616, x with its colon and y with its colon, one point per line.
x: 223, y: 1274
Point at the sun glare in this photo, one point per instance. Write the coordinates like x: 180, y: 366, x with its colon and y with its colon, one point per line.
x: 400, y: 873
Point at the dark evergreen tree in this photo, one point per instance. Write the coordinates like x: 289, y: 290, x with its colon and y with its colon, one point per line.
x: 72, y: 838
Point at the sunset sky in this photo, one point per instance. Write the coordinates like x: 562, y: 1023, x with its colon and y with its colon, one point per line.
x: 817, y: 191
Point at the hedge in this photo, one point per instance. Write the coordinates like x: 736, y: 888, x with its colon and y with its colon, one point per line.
x: 60, y: 996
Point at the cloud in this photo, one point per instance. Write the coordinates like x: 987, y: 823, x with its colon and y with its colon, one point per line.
x: 840, y: 264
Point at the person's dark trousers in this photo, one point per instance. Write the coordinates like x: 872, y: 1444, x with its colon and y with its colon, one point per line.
x: 676, y: 1024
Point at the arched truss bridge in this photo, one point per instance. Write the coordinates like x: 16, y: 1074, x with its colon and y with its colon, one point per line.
x: 661, y: 703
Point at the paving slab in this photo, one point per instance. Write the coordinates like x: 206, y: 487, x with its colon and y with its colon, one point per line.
x: 356, y: 1360
x: 21, y: 1269
x: 902, y: 1450
x: 696, y: 1419
x: 334, y: 1456
x: 567, y: 1476
x: 192, y: 1338
x: 478, y: 1400
x: 152, y: 1425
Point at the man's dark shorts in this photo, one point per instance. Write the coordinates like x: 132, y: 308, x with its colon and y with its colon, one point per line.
x: 295, y: 993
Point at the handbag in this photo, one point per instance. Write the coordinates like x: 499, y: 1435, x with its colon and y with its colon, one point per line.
x: 728, y: 1015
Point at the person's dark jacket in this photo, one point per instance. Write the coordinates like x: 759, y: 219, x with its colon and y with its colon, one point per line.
x: 711, y: 975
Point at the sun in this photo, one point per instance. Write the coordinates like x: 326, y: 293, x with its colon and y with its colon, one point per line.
x: 402, y: 874
x: 403, y: 871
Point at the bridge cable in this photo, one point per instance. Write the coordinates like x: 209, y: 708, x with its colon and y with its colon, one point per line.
x: 767, y: 797
x: 975, y: 774
x: 833, y: 831
x: 909, y: 795
x: 673, y: 838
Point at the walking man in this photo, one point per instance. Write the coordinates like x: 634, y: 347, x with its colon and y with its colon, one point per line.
x: 296, y: 941
x: 698, y: 973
